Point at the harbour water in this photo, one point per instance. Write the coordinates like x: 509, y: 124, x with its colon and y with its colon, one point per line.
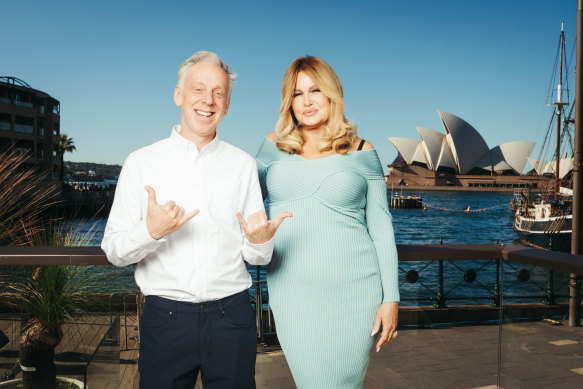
x: 448, y: 217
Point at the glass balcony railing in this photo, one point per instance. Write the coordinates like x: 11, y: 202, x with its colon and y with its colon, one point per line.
x: 472, y: 316
x: 24, y: 103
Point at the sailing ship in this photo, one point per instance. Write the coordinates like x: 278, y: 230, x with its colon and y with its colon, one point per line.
x: 546, y: 222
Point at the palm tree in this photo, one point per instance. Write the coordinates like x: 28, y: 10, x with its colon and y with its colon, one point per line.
x: 65, y: 146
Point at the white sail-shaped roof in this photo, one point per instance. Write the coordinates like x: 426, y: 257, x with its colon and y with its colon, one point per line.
x: 445, y: 156
x: 548, y: 167
x: 493, y: 161
x: 431, y: 142
x: 419, y: 155
x: 406, y: 147
x: 515, y: 154
x: 539, y: 165
x: 462, y: 148
x: 507, y: 156
x: 565, y: 166
x: 427, y: 156
x: 466, y: 144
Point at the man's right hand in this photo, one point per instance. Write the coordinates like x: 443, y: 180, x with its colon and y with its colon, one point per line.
x: 163, y: 220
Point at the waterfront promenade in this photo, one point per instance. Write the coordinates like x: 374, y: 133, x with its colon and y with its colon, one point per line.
x: 533, y: 355
x: 530, y: 354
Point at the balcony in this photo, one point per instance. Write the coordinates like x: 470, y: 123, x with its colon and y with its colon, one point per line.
x: 472, y: 316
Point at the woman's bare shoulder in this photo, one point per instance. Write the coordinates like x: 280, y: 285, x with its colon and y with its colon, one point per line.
x: 366, y: 145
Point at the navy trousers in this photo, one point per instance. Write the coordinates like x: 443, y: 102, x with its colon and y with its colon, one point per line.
x: 179, y: 339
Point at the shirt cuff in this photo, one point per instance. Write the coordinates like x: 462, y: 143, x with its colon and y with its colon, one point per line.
x: 261, y: 250
x: 140, y: 236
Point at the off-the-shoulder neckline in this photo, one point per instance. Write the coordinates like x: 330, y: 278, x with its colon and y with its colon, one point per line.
x: 325, y: 156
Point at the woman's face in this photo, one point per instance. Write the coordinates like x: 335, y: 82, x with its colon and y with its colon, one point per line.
x: 310, y: 106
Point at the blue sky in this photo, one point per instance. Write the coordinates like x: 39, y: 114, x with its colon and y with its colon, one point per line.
x: 113, y: 64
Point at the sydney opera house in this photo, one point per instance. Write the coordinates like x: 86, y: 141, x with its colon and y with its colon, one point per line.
x: 461, y: 159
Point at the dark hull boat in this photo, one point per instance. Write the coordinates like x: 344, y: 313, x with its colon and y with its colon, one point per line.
x: 545, y: 222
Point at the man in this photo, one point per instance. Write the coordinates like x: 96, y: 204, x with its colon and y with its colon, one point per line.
x: 179, y: 213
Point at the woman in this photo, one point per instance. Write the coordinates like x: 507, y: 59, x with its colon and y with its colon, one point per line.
x: 333, y: 276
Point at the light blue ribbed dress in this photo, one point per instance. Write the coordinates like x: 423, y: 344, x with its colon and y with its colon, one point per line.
x: 333, y: 264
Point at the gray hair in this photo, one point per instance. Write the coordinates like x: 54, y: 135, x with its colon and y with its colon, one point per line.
x: 205, y: 56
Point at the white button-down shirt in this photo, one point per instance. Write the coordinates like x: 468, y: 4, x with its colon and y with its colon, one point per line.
x: 203, y: 260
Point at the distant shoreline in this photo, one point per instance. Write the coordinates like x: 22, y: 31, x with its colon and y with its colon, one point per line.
x: 418, y: 188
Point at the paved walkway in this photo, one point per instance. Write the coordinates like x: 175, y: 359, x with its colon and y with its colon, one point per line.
x: 534, y: 355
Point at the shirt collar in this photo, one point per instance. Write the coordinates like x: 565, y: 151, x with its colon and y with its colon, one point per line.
x: 188, y: 147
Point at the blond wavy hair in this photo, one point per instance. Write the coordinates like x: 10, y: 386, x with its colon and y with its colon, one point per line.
x: 340, y: 133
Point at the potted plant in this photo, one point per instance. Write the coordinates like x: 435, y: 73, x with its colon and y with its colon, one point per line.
x: 49, y: 297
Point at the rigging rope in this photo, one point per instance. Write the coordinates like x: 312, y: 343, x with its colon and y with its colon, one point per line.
x: 467, y: 210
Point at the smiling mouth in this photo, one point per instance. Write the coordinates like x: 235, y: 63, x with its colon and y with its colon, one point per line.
x: 204, y: 113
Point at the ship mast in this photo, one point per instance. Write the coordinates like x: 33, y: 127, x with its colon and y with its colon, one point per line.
x: 559, y: 107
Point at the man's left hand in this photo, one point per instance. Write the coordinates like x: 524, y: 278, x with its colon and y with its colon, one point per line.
x: 258, y: 229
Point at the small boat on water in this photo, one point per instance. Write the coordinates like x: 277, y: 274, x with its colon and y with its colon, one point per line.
x: 545, y: 222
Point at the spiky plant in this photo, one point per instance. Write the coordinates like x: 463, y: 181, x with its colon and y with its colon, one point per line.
x: 25, y: 196
x: 50, y: 296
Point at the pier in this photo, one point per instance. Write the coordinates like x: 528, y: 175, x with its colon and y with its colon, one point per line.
x: 406, y: 202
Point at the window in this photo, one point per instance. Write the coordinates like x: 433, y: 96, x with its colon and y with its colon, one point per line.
x: 40, y: 152
x: 5, y: 122
x: 24, y: 125
x: 25, y: 146
x: 40, y: 128
x: 5, y: 142
x: 24, y: 100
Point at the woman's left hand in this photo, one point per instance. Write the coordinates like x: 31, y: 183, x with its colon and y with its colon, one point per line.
x: 387, y: 316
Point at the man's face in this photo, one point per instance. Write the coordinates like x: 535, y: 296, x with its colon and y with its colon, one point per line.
x: 204, y: 100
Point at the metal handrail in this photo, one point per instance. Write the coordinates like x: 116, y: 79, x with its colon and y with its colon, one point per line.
x: 569, y: 263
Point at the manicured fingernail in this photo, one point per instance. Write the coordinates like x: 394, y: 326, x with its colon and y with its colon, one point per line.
x: 372, y: 333
x: 378, y: 349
